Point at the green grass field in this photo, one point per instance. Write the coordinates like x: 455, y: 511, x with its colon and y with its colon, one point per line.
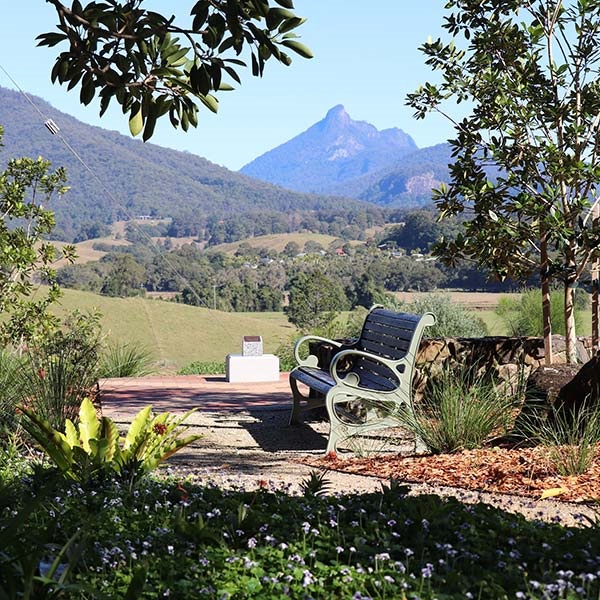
x: 178, y: 334
x: 277, y: 241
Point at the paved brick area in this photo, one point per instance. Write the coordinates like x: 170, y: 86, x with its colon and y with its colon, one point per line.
x: 180, y: 393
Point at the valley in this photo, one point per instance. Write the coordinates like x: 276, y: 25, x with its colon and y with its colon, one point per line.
x: 178, y: 335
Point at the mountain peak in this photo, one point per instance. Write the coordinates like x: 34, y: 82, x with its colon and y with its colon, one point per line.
x: 337, y: 113
x: 335, y: 149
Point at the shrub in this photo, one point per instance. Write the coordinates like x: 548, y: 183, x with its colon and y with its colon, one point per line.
x: 285, y: 353
x: 571, y: 439
x: 9, y: 367
x: 460, y: 412
x: 94, y: 446
x: 126, y: 360
x: 452, y: 320
x: 203, y: 368
x: 524, y: 316
x: 60, y: 370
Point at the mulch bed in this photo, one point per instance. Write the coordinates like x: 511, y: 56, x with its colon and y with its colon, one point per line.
x: 524, y: 472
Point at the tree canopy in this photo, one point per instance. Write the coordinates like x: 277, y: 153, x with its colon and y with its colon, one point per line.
x: 26, y: 188
x: 527, y: 156
x: 152, y: 66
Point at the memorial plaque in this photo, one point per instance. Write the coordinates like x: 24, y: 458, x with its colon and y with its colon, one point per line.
x: 252, y: 345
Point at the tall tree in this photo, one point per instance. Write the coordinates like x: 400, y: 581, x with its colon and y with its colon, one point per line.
x: 313, y: 299
x: 527, y: 156
x: 26, y: 188
x: 122, y: 51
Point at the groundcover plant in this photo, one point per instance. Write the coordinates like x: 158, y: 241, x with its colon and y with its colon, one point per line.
x: 175, y: 538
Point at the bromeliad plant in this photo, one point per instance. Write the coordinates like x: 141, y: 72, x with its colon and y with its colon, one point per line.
x: 95, y: 446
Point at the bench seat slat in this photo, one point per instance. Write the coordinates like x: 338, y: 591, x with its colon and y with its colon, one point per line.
x: 372, y: 381
x: 385, y: 350
x: 314, y: 378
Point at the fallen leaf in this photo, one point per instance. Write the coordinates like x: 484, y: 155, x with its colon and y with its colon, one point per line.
x: 550, y: 492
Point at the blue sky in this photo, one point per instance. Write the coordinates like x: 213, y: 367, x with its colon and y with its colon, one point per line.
x: 366, y: 58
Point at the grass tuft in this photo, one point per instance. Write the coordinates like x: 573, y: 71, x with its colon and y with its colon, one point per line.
x: 571, y: 438
x: 460, y: 413
x: 126, y: 360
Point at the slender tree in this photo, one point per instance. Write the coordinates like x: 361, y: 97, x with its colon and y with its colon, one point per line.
x: 527, y: 155
x: 26, y: 188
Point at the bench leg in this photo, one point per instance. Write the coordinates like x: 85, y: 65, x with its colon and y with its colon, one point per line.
x: 341, y: 430
x: 296, y: 408
x: 302, y: 402
x: 338, y: 430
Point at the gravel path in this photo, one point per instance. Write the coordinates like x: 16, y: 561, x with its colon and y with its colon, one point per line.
x: 256, y: 447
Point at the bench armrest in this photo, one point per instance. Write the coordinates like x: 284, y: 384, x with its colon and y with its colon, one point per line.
x: 389, y: 364
x: 311, y: 360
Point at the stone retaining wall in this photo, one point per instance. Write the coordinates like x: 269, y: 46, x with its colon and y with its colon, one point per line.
x: 507, y: 360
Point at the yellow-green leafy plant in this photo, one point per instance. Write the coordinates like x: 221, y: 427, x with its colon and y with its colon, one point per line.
x: 94, y: 444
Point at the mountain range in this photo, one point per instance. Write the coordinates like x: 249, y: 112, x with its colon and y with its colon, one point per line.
x: 339, y: 155
x: 116, y: 177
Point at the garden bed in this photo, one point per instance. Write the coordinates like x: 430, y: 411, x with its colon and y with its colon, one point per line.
x: 523, y: 472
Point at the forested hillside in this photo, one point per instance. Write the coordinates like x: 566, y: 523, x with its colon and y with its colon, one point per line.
x: 134, y: 178
x: 407, y: 184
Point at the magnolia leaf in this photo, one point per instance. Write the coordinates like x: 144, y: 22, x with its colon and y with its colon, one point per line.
x: 550, y: 492
x: 210, y: 102
x: 298, y: 48
x: 149, y: 129
x: 136, y: 121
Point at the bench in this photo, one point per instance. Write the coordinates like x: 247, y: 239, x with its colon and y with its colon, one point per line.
x: 368, y: 384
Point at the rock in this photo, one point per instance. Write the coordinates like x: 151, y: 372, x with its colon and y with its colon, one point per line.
x: 545, y: 383
x: 582, y: 391
x: 541, y: 392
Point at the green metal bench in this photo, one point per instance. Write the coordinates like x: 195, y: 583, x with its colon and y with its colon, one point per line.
x: 367, y: 385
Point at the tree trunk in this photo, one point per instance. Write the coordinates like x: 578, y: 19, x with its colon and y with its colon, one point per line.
x: 570, y: 333
x: 545, y: 280
x: 595, y: 270
x: 595, y: 344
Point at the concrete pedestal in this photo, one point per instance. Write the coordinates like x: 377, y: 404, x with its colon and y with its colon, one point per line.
x: 240, y: 369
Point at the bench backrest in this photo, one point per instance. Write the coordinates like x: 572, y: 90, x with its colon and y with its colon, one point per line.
x: 389, y: 335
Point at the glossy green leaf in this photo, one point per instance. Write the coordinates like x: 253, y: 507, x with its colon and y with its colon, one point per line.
x: 290, y: 24
x: 137, y: 428
x: 89, y: 426
x: 210, y: 102
x: 149, y: 128
x: 71, y: 433
x: 298, y: 47
x: 136, y: 120
x: 110, y: 432
x: 50, y: 39
x: 52, y: 441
